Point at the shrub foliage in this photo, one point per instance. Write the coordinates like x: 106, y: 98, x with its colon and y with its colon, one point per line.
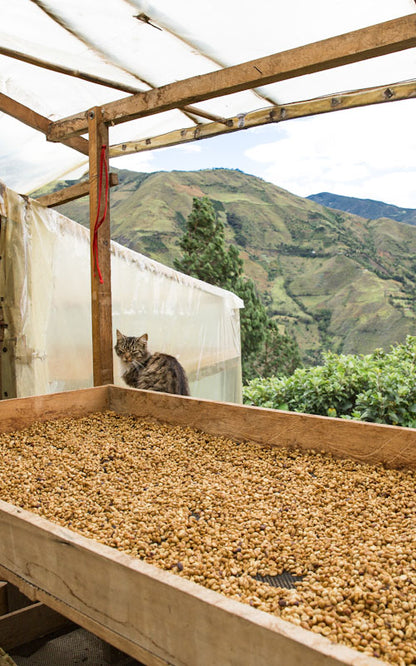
x: 378, y: 387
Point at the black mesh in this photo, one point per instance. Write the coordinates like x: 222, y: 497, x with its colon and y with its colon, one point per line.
x: 285, y: 579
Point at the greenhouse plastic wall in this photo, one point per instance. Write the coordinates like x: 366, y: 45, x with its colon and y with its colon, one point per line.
x: 45, y: 292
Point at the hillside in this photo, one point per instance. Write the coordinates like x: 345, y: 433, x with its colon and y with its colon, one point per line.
x: 368, y: 208
x: 332, y: 279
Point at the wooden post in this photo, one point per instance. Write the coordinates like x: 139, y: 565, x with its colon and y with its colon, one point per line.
x: 100, y: 291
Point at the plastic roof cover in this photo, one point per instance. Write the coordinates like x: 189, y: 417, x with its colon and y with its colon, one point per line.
x: 139, y: 45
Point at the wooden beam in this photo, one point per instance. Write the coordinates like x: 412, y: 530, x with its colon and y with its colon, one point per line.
x: 116, y: 85
x: 349, y: 100
x: 203, y: 114
x: 26, y: 624
x: 370, y: 42
x: 392, y: 446
x: 62, y: 69
x: 102, y: 342
x: 37, y: 121
x: 18, y: 413
x: 71, y: 193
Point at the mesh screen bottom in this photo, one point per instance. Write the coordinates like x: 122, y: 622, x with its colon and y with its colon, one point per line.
x: 75, y: 647
x: 285, y: 579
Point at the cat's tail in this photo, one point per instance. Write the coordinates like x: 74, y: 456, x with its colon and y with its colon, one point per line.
x: 182, y: 381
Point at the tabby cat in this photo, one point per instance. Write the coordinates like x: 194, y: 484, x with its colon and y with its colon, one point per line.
x: 155, y: 372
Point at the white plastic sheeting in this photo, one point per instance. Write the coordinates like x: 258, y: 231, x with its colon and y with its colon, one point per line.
x: 45, y: 292
x: 176, y: 40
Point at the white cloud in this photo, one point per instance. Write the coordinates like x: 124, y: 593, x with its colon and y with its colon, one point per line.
x: 367, y: 152
x: 135, y: 162
x: 190, y: 148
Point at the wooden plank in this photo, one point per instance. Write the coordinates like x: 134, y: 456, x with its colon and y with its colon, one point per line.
x: 102, y: 339
x: 274, y: 114
x: 149, y: 613
x: 71, y: 193
x: 365, y: 442
x: 37, y: 121
x: 24, y: 625
x: 19, y: 413
x: 370, y: 42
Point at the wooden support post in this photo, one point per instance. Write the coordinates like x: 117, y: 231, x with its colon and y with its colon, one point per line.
x: 29, y: 623
x: 4, y: 608
x: 100, y: 290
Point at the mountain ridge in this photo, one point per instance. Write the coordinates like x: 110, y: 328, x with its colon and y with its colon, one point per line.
x: 368, y: 208
x: 331, y: 279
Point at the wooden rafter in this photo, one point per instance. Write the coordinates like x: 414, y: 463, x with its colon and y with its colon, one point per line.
x: 62, y: 69
x: 204, y: 114
x: 116, y: 85
x: 71, y: 193
x: 376, y: 40
x: 347, y: 100
x: 37, y: 121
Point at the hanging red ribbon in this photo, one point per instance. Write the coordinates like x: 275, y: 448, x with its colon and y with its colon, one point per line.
x: 98, y: 220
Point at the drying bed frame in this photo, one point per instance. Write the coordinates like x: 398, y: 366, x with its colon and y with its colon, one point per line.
x: 151, y: 614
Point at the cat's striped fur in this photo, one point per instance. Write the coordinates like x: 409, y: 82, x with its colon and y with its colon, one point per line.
x: 155, y: 372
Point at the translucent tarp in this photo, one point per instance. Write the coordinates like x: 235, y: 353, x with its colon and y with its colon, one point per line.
x: 45, y: 292
x: 171, y: 40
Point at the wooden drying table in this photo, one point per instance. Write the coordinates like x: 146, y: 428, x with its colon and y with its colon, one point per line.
x: 151, y: 614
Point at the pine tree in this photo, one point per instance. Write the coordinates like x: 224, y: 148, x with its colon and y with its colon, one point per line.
x: 205, y: 256
x: 204, y: 253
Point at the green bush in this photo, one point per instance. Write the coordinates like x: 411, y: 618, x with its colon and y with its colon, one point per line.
x: 378, y: 387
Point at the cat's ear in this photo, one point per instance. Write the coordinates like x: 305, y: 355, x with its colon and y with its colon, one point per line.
x: 144, y: 337
x: 120, y: 336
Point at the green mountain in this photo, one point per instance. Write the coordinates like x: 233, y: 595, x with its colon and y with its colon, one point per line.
x: 331, y: 279
x: 365, y: 207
